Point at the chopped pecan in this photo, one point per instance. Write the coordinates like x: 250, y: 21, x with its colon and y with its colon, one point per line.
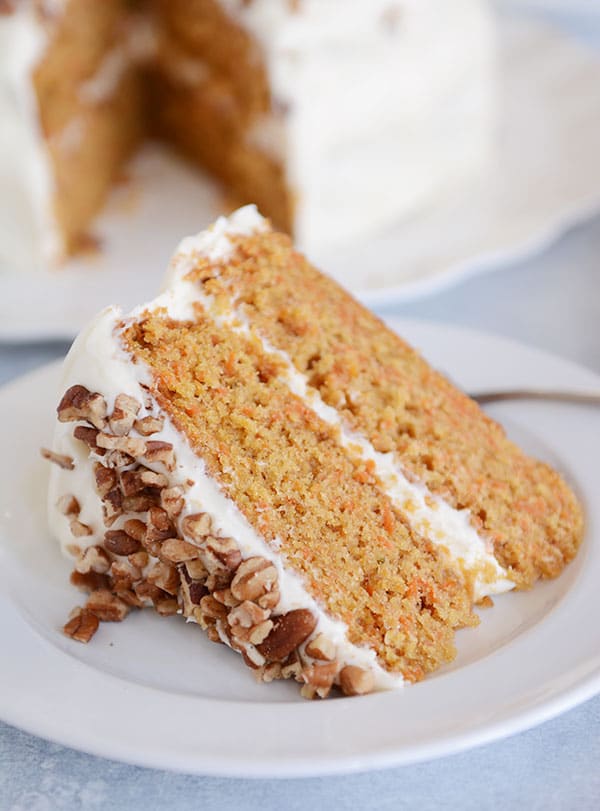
x: 157, y: 451
x: 124, y: 575
x: 355, y: 681
x: 116, y: 459
x: 197, y: 526
x: 172, y: 501
x: 130, y: 445
x: 256, y: 579
x: 82, y: 626
x: 140, y: 503
x: 192, y: 592
x: 166, y: 606
x: 249, y: 623
x: 124, y: 413
x: 174, y: 550
x: 210, y: 609
x: 136, y: 529
x: 112, y: 506
x: 221, y: 553
x: 88, y: 436
x: 138, y: 559
x: 60, y: 459
x: 225, y: 596
x: 78, y: 529
x: 94, y: 559
x: 106, y: 606
x: 321, y: 677
x: 135, y: 481
x: 120, y: 543
x: 320, y: 648
x: 289, y: 631
x: 149, y: 425
x: 78, y: 403
x: 159, y: 525
x: 148, y: 591
x: 211, y: 632
x: 106, y: 479
x: 68, y: 505
x: 90, y: 581
x: 196, y: 570
x: 165, y: 577
x: 291, y: 668
x: 129, y: 596
x: 269, y: 672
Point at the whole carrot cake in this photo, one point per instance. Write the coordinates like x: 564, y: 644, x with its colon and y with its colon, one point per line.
x: 256, y: 451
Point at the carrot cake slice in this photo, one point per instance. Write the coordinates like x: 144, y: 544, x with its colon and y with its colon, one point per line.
x: 256, y: 451
x: 244, y: 89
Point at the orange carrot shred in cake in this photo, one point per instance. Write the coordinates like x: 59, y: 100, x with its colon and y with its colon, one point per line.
x: 258, y: 452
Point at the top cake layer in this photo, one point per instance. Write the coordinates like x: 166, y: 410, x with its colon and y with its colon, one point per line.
x: 317, y: 440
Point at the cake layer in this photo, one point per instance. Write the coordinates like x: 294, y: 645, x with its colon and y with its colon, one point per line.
x: 386, y: 393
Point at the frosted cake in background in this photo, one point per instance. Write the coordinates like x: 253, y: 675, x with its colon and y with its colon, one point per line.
x: 334, y: 124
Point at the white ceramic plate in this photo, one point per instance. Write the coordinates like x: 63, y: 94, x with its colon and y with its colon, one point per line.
x: 155, y: 692
x: 545, y: 178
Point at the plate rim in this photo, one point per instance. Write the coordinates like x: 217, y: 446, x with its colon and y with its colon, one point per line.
x: 583, y: 688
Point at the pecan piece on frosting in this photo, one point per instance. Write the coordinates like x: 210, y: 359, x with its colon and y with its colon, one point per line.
x: 289, y: 631
x: 220, y: 554
x: 112, y: 506
x: 172, y: 501
x: 355, y: 681
x: 78, y: 529
x: 157, y: 451
x: 135, y: 481
x: 197, y: 526
x: 120, y: 543
x: 319, y: 679
x: 166, y: 606
x: 90, y: 581
x: 249, y: 622
x: 60, y: 459
x: 320, y: 648
x: 82, y: 625
x: 165, y: 576
x: 106, y: 479
x: 159, y: 525
x: 174, y: 550
x: 256, y: 579
x: 149, y: 425
x: 135, y: 528
x: 68, y: 505
x: 78, y: 403
x: 93, y: 559
x: 129, y: 445
x: 106, y: 606
x: 124, y: 413
x: 88, y: 436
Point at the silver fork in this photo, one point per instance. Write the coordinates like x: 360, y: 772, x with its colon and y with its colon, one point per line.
x: 581, y: 398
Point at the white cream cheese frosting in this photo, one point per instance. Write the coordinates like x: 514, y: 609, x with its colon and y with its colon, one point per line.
x: 28, y: 234
x: 387, y: 106
x: 99, y: 362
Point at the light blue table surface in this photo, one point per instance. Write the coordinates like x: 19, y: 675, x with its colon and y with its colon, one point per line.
x: 551, y: 301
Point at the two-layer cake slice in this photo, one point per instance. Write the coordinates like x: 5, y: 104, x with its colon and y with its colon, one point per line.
x: 258, y: 452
